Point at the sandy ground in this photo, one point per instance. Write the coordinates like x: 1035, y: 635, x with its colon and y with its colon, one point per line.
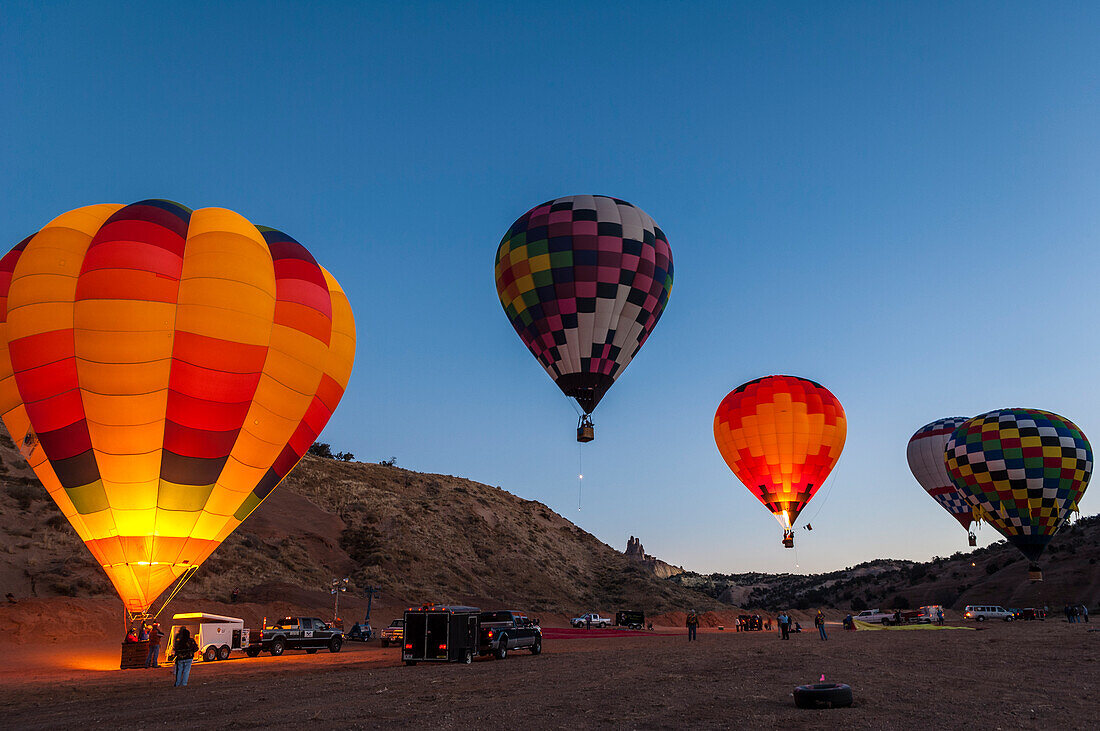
x: 1021, y: 675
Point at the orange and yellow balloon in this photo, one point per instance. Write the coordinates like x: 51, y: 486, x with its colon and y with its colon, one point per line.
x: 163, y: 369
x: 781, y: 436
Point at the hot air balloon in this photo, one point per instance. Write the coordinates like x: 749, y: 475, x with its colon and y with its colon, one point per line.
x: 162, y: 370
x: 1023, y: 471
x: 583, y: 280
x: 925, y: 455
x: 781, y: 436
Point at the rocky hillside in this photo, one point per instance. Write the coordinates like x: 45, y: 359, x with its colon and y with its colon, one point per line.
x: 996, y: 574
x: 417, y: 537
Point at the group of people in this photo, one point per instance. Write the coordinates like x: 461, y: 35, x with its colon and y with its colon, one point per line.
x: 783, y: 621
x: 184, y: 648
x: 147, y: 633
x: 1078, y: 613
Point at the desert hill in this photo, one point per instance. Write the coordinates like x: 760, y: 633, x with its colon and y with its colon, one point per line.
x: 417, y: 537
x: 996, y: 574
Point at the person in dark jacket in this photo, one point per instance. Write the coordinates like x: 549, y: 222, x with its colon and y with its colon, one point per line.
x: 154, y: 645
x: 184, y: 648
x: 819, y: 622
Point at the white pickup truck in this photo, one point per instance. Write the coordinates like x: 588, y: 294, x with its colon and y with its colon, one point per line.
x: 874, y: 616
x: 596, y: 619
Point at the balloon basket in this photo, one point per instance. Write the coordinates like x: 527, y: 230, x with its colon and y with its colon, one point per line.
x: 788, y: 540
x: 972, y: 539
x: 1034, y: 573
x: 133, y: 655
x: 586, y: 431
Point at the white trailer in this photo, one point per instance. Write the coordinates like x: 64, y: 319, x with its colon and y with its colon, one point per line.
x: 215, y: 635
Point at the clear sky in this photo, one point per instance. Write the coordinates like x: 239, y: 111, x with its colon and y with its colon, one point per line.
x: 898, y: 200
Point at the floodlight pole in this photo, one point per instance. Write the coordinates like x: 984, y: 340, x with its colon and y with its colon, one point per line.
x: 337, y: 586
x: 372, y: 591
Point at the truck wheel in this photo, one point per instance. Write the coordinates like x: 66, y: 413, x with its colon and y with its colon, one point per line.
x: 468, y: 658
x: 502, y: 648
x: 223, y: 652
x: 210, y: 654
x: 335, y: 644
x: 981, y: 617
x: 252, y: 651
x: 537, y: 647
x: 277, y: 647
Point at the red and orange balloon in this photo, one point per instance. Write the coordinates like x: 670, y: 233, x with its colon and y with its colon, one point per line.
x: 781, y: 436
x: 163, y: 369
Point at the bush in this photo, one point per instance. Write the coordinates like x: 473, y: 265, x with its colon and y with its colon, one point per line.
x: 859, y: 604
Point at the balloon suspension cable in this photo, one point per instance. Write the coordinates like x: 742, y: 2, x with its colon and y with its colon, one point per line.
x: 183, y: 579
x: 580, y: 474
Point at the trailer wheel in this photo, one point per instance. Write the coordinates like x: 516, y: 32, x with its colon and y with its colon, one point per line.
x: 277, y: 647
x: 469, y: 657
x: 210, y: 654
x: 223, y: 652
x: 335, y: 644
x: 502, y: 648
x: 252, y: 652
x: 537, y: 647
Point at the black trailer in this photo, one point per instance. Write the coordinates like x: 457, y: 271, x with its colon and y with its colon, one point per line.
x: 631, y: 619
x: 437, y: 633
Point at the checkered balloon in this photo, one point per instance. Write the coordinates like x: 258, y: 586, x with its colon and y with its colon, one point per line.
x: 583, y: 280
x: 925, y: 455
x: 1023, y: 470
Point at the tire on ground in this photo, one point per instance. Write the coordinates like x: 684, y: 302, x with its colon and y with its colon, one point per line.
x: 823, y: 695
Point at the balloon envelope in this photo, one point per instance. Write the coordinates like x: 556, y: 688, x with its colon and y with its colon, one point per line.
x: 925, y: 456
x: 584, y: 280
x: 163, y: 369
x: 1024, y: 469
x: 781, y: 436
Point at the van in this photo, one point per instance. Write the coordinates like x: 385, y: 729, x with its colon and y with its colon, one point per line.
x: 982, y: 612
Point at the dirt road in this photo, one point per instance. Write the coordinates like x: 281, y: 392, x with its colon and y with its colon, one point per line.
x: 1022, y: 675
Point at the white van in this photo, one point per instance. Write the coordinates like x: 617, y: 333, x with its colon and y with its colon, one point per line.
x: 215, y: 635
x: 982, y: 612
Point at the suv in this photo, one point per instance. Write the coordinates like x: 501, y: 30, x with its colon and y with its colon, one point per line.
x: 982, y: 612
x: 393, y: 634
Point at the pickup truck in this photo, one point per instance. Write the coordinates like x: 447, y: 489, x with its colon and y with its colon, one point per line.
x: 597, y: 620
x: 295, y: 633
x: 874, y: 616
x: 393, y: 634
x: 505, y: 630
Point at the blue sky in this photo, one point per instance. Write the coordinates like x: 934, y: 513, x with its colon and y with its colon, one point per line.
x: 897, y: 200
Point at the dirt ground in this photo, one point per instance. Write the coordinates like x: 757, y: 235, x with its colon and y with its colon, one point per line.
x: 1020, y: 675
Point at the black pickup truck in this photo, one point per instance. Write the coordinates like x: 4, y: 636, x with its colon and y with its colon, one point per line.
x: 503, y: 631
x: 295, y: 633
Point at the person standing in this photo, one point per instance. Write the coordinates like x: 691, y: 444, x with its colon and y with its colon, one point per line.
x: 692, y: 625
x: 1085, y: 613
x: 184, y: 649
x: 784, y: 626
x: 154, y: 645
x: 819, y: 622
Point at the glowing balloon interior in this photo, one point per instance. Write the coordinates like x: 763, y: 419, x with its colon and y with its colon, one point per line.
x: 1022, y: 470
x: 781, y: 436
x: 163, y: 369
x: 584, y: 280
